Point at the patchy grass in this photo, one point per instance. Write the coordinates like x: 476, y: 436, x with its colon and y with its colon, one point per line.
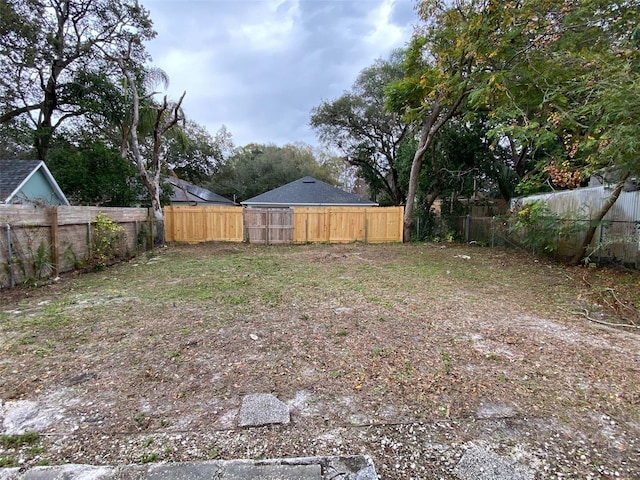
x: 19, y: 440
x: 360, y: 339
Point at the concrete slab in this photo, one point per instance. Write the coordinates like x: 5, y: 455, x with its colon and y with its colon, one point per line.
x: 68, y: 472
x: 480, y: 464
x: 306, y: 468
x: 262, y: 409
x: 490, y: 410
x: 185, y: 471
x: 8, y: 473
x: 238, y: 471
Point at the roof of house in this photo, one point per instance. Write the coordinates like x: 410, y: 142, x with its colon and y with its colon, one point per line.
x: 186, y: 192
x: 308, y: 191
x: 14, y: 174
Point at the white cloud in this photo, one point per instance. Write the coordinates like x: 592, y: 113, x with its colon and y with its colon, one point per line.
x: 385, y: 32
x: 271, y: 27
x: 260, y: 66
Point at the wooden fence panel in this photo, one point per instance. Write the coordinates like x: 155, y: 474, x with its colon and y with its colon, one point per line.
x: 203, y: 224
x: 384, y: 224
x: 284, y: 225
x: 58, y: 238
x: 348, y: 224
x: 310, y: 224
x: 269, y: 225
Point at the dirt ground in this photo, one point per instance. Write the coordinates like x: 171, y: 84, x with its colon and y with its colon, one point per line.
x: 411, y: 354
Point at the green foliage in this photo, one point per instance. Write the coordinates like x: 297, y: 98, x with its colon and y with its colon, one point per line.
x: 539, y: 229
x: 45, y: 47
x: 572, y: 91
x: 446, y: 362
x: 193, y: 154
x: 31, y: 256
x: 8, y: 462
x: 92, y: 173
x: 150, y: 458
x: 106, y: 242
x: 255, y: 169
x: 369, y: 135
x: 42, y: 265
x: 558, y: 82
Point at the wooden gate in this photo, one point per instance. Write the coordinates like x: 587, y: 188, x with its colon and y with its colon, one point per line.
x: 268, y: 225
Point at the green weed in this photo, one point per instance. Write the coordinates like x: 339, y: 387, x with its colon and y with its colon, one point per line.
x: 446, y: 361
x: 8, y: 462
x: 150, y: 458
x: 19, y: 440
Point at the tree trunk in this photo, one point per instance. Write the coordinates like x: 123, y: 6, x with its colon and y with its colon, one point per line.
x: 416, y: 165
x: 431, y: 126
x: 45, y: 127
x: 593, y: 225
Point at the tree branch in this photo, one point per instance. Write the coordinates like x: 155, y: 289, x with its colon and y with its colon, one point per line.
x: 7, y: 117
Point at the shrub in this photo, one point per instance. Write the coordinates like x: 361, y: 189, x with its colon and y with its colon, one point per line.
x: 538, y: 228
x: 108, y: 237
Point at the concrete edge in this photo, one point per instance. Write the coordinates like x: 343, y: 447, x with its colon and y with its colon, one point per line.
x: 348, y: 467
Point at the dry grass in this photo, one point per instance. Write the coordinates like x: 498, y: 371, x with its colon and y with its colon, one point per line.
x: 365, y: 343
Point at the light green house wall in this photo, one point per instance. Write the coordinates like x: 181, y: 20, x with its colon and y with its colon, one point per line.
x: 38, y: 188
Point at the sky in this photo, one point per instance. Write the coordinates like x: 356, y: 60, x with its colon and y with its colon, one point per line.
x: 260, y: 66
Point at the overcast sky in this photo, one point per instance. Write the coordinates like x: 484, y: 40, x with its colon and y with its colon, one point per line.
x: 260, y: 66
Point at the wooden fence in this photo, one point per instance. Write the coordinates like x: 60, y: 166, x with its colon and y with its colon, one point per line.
x: 284, y: 225
x: 268, y: 225
x: 36, y: 242
x: 203, y: 224
x: 347, y: 224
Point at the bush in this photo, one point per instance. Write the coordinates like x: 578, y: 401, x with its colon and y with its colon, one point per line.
x: 538, y: 228
x: 108, y: 237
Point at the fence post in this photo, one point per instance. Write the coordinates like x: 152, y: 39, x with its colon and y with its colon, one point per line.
x: 12, y: 280
x: 467, y: 228
x: 151, y: 227
x: 267, y: 231
x: 55, y: 258
x: 493, y: 231
x: 137, y: 238
x: 89, y: 240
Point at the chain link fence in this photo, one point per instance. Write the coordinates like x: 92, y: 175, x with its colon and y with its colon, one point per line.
x: 614, y: 241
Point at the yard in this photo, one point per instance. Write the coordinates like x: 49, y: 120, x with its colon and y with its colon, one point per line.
x: 408, y: 353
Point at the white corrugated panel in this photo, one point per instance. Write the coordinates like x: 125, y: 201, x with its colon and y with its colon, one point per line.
x: 619, y: 236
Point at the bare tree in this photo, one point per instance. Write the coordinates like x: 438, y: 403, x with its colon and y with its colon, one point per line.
x: 150, y: 161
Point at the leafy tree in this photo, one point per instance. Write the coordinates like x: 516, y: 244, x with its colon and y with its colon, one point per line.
x: 16, y: 140
x: 45, y: 45
x: 552, y: 75
x: 255, y: 169
x: 92, y: 173
x: 369, y: 135
x: 441, y: 70
x: 461, y: 162
x: 575, y: 93
x: 193, y: 154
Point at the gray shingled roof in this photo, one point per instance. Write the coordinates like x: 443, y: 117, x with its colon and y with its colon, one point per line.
x: 307, y: 191
x: 13, y: 173
x: 184, y: 191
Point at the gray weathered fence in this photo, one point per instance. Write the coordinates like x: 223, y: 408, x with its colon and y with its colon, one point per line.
x: 38, y: 242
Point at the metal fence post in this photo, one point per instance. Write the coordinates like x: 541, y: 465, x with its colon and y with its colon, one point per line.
x: 89, y: 240
x: 12, y: 280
